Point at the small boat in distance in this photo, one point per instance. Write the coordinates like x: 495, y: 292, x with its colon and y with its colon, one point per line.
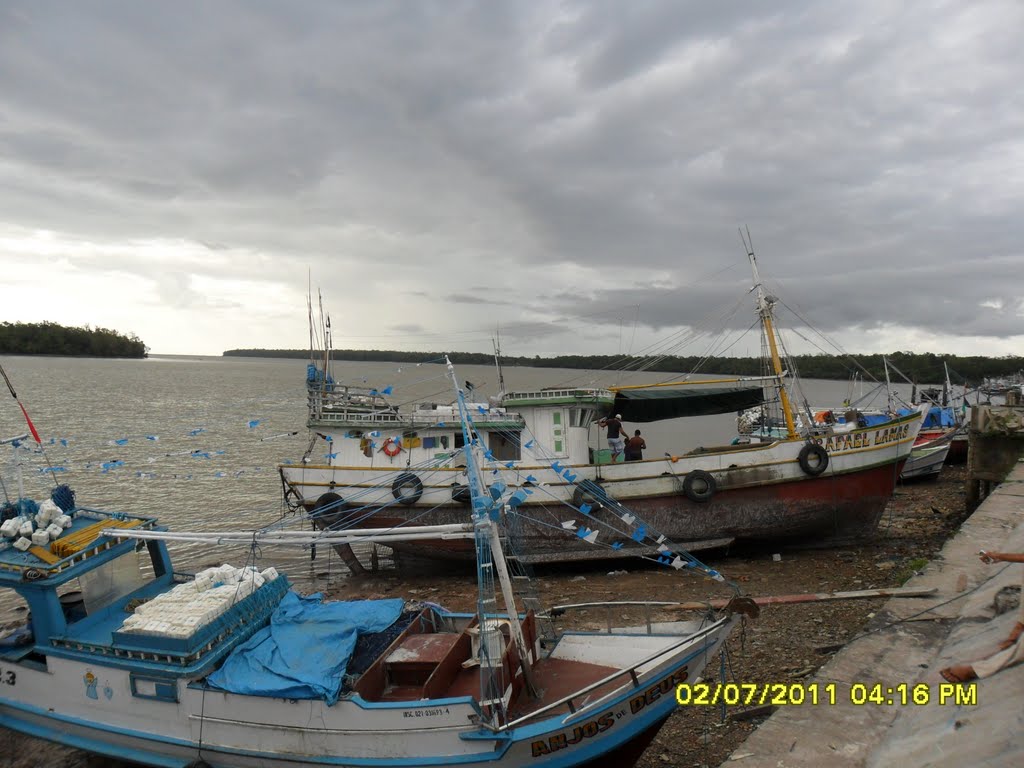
x: 229, y: 667
x: 807, y: 486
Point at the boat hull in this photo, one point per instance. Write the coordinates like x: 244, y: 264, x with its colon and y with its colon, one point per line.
x: 762, y: 492
x: 958, y: 448
x: 239, y: 731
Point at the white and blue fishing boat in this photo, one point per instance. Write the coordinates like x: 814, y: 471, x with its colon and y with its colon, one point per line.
x: 230, y: 667
x: 804, y: 486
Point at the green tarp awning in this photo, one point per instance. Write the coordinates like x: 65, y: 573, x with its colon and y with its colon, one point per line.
x: 642, y: 405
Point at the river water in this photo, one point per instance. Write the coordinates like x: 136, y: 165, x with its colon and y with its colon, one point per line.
x: 196, y: 441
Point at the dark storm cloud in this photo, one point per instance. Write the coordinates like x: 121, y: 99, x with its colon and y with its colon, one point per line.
x: 588, y: 157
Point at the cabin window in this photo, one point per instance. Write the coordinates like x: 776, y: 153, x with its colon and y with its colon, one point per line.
x: 157, y: 688
x: 557, y: 433
x: 111, y: 580
x: 505, y: 445
x: 580, y: 417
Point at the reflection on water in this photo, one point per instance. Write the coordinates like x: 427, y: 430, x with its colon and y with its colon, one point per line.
x: 196, y: 441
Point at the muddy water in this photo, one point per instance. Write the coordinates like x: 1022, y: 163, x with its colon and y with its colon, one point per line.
x: 196, y: 441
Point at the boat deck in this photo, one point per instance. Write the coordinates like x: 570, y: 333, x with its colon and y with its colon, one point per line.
x: 563, y: 678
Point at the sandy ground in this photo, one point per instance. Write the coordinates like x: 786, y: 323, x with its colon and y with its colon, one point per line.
x: 785, y: 644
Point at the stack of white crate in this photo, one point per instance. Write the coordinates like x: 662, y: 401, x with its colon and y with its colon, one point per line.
x: 180, y: 611
x: 40, y: 529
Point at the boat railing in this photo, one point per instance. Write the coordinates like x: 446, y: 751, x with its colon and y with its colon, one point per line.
x: 340, y: 406
x: 56, y: 564
x: 587, y: 394
x: 609, y: 605
x: 631, y: 673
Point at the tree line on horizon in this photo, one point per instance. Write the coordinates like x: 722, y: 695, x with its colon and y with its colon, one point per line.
x: 53, y: 339
x: 925, y: 367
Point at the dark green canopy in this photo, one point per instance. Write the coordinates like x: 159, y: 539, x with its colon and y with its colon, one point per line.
x: 641, y: 405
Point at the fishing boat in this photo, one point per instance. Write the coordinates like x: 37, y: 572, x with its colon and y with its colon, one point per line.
x: 809, y: 487
x: 231, y: 667
x: 927, y: 458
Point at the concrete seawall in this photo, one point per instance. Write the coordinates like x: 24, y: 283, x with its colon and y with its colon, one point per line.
x: 906, y: 644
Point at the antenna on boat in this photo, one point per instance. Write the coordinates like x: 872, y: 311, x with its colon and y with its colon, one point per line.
x: 497, y: 361
x: 309, y: 311
x: 888, y: 386
x: 765, y: 303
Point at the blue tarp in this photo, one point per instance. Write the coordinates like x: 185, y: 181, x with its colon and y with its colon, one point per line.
x: 874, y: 419
x: 938, y: 416
x: 304, y: 651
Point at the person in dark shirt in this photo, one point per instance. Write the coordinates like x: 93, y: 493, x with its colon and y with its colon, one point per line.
x: 635, y: 447
x: 616, y: 441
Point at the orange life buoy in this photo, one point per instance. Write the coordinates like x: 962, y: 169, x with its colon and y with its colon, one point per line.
x: 391, y: 447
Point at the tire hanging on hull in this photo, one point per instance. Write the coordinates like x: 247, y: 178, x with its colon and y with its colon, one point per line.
x: 813, y: 459
x: 699, y: 486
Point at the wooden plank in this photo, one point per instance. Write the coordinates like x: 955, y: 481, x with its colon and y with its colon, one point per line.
x: 814, y: 597
x: 43, y: 554
x: 820, y: 597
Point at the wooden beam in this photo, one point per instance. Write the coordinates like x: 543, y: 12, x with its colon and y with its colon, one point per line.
x: 816, y: 597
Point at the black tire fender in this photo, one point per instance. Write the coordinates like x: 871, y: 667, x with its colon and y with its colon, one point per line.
x: 327, y: 507
x: 400, y: 489
x: 813, y: 459
x: 699, y: 486
x: 581, y: 496
x: 461, y: 494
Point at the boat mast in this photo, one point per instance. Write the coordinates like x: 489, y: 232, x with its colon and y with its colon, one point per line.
x: 490, y: 555
x: 764, y: 310
x: 888, y: 385
x: 497, y: 363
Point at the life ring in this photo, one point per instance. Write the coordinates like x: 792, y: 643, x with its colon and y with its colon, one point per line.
x: 402, y: 483
x: 461, y: 494
x: 813, y: 459
x: 391, y: 447
x: 582, y: 496
x: 699, y: 486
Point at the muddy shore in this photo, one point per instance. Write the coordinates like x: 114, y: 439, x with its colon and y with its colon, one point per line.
x: 785, y: 644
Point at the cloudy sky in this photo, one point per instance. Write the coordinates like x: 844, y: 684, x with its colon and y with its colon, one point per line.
x: 571, y: 173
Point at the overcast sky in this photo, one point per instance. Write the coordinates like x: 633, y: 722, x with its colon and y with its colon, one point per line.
x: 571, y: 173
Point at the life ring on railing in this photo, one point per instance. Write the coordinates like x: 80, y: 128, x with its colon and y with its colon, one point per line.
x: 400, y: 488
x: 813, y: 459
x: 391, y: 447
x: 699, y: 486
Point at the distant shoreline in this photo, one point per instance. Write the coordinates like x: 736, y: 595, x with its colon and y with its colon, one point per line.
x: 925, y: 367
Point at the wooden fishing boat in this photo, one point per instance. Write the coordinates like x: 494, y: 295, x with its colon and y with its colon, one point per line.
x: 928, y: 457
x: 231, y: 668
x: 810, y: 487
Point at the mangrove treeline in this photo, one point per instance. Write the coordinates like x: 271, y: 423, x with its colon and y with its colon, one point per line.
x: 923, y: 368
x: 54, y: 339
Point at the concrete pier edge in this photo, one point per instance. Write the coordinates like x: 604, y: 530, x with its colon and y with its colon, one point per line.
x: 907, y: 642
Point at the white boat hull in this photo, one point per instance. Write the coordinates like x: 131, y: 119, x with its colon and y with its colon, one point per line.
x: 762, y: 492
x: 226, y: 729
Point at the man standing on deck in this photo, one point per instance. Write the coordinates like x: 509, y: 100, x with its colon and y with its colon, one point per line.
x: 615, y: 439
x: 635, y: 447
